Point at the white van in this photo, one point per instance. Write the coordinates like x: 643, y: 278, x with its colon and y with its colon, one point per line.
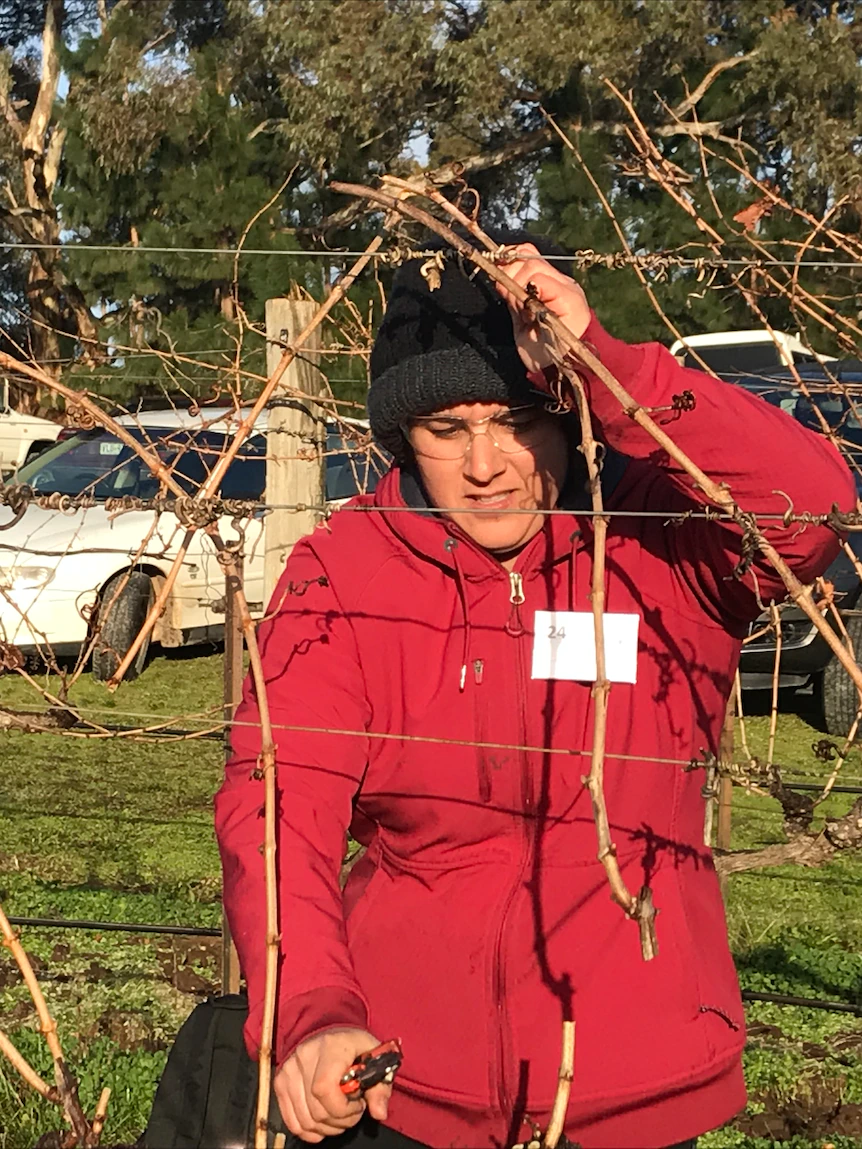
x: 730, y: 353
x: 22, y: 437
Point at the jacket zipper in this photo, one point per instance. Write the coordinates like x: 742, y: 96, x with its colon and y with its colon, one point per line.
x: 514, y: 625
x: 515, y: 628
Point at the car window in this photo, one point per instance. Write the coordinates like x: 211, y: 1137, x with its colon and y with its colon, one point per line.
x: 778, y: 394
x: 837, y: 411
x: 246, y: 476
x: 96, y: 463
x: 350, y: 472
x: 736, y: 359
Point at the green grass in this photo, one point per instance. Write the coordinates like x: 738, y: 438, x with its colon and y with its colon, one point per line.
x: 120, y: 830
x: 116, y: 831
x: 796, y: 931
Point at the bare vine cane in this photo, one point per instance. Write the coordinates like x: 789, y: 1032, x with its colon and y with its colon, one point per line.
x: 564, y: 1088
x: 621, y: 235
x: 715, y: 493
x: 775, y: 616
x: 265, y: 770
x: 639, y: 908
x: 840, y: 760
x: 17, y: 1060
x: 66, y: 1085
x: 99, y: 1119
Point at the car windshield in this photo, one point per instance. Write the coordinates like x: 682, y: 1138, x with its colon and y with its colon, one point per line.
x: 843, y: 413
x: 98, y: 464
x: 736, y: 358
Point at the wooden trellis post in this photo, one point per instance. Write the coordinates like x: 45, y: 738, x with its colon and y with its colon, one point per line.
x: 296, y: 436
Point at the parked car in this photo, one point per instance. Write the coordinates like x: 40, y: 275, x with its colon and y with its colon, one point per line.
x: 806, y: 660
x: 22, y: 437
x: 62, y: 574
x: 731, y: 354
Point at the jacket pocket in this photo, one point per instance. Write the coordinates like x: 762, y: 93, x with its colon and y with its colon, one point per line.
x: 425, y: 971
x: 704, y: 930
x: 639, y: 1026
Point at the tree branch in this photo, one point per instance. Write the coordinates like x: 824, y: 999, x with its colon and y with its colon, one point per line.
x: 686, y: 105
x: 445, y: 174
x: 517, y: 149
x: 10, y: 115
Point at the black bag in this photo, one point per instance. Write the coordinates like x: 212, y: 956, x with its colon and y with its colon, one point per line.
x: 207, y: 1096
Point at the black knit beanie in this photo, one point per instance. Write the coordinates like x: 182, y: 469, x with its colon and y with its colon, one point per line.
x: 438, y: 348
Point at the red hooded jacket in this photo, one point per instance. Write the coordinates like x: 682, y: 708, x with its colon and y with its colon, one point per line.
x: 479, y: 916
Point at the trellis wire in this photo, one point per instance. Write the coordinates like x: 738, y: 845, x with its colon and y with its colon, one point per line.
x: 654, y: 260
x: 208, y: 735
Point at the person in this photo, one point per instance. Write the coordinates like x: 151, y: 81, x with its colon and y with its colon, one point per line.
x: 420, y: 704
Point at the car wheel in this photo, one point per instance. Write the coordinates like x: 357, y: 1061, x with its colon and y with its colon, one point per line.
x: 123, y: 606
x: 840, y: 697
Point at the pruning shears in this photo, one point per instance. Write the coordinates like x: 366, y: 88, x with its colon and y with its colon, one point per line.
x: 377, y: 1067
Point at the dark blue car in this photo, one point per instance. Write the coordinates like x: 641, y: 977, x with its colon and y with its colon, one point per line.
x: 806, y: 660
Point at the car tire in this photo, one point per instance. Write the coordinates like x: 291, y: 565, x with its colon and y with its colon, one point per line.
x: 123, y: 606
x: 840, y: 697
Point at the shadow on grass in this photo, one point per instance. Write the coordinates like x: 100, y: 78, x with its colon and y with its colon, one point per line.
x: 806, y: 704
x: 796, y: 966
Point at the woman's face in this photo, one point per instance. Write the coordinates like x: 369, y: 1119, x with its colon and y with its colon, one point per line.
x: 478, y: 461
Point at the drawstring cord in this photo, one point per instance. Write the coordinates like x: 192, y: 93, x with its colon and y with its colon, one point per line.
x: 574, y: 539
x: 451, y: 545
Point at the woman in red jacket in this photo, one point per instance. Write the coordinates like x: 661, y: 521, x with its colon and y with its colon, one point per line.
x: 426, y: 701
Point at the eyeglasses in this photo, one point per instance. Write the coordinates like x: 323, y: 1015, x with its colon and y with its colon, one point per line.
x: 511, y: 430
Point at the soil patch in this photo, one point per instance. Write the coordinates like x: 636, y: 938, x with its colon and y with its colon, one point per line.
x: 191, y: 965
x: 820, y: 1115
x: 127, y: 1029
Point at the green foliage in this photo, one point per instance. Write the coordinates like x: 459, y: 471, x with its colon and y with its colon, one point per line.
x: 185, y: 117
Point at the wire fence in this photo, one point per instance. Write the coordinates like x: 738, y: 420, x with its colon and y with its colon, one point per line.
x: 187, y: 520
x: 585, y: 258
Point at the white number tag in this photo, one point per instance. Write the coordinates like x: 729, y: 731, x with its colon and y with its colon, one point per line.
x: 564, y: 646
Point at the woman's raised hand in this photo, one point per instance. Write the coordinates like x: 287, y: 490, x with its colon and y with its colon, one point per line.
x: 558, y: 292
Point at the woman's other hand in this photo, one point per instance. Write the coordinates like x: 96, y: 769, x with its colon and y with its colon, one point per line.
x: 308, y: 1091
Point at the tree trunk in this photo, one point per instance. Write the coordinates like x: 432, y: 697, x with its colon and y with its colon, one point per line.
x: 55, y: 305
x: 44, y: 306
